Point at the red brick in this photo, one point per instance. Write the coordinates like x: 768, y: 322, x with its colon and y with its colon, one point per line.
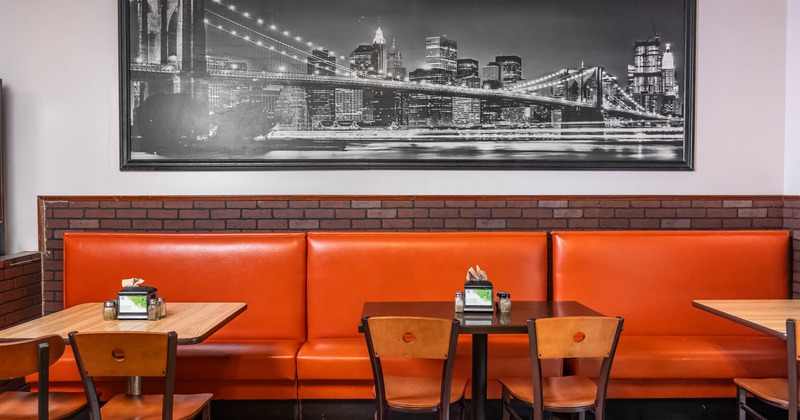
x: 273, y: 224
x: 676, y: 203
x: 410, y: 213
x: 256, y: 214
x: 115, y: 204
x: 767, y: 223
x: 147, y: 224
x: 736, y: 223
x: 707, y: 203
x: 691, y: 213
x: 182, y: 204
x: 178, y: 224
x: 146, y: 204
x: 334, y: 224
x: 722, y: 213
x: 241, y: 204
x: 617, y: 204
x: 443, y: 213
x: 320, y: 213
x: 537, y: 213
x: 67, y: 213
x: 93, y: 204
x: 768, y: 203
x: 429, y: 203
x: 100, y: 213
x: 583, y: 223
x: 115, y: 224
x: 304, y: 224
x: 248, y: 224
x: 371, y: 224
x: 397, y: 223
x: 737, y: 203
x: 131, y: 214
x: 429, y: 223
x: 56, y: 223
x: 57, y: 204
x: 334, y: 204
x: 490, y: 224
x: 649, y: 204
x: 381, y: 214
x: 209, y: 224
x: 553, y: 203
x: 568, y: 213
x: 351, y: 214
x: 209, y: 204
x: 629, y: 213
x: 393, y: 204
x: 521, y: 224
x: 553, y: 224
x: 475, y: 213
x: 752, y: 213
x: 84, y: 224
x: 507, y: 213
x: 660, y: 213
x: 162, y: 214
x: 584, y: 203
x: 523, y: 203
x: 273, y: 204
x: 226, y: 214
x: 707, y: 223
x: 676, y: 223
x: 194, y: 214
x: 645, y: 224
x: 303, y: 204
x: 614, y: 223
x: 288, y: 214
x: 459, y: 223
x: 366, y: 204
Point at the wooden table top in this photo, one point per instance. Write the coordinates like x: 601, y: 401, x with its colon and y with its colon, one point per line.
x: 515, y: 322
x: 193, y: 321
x: 765, y: 315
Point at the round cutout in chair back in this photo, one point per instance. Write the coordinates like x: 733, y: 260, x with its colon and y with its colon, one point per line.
x: 578, y: 337
x: 118, y: 354
x: 409, y: 337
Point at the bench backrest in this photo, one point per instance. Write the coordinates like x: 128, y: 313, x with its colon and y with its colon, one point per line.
x: 651, y: 277
x: 265, y: 270
x: 346, y: 269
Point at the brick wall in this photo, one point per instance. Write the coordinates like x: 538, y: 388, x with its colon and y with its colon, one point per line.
x: 791, y: 221
x: 451, y: 213
x: 20, y: 288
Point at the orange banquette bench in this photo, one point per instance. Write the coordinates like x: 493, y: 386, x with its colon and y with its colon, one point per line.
x: 253, y: 356
x: 347, y: 269
x: 670, y: 349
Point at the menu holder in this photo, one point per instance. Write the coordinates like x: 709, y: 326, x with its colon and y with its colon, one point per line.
x: 133, y: 301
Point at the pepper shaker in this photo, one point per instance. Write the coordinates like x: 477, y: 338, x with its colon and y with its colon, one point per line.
x: 110, y: 310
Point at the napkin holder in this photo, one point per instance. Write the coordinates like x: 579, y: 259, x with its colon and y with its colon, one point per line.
x: 478, y: 296
x: 132, y: 301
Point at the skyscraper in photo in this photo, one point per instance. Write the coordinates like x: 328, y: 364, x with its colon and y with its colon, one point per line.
x: 361, y: 58
x: 394, y: 63
x: 648, y: 79
x: 441, y: 53
x: 672, y: 103
x: 510, y: 69
x: 378, y: 59
x: 321, y: 63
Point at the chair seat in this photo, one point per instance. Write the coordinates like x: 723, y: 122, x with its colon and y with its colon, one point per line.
x: 420, y: 392
x: 774, y: 390
x: 24, y: 405
x: 557, y: 392
x: 145, y: 407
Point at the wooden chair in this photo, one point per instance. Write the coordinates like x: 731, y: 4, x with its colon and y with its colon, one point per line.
x: 416, y: 338
x: 565, y: 337
x: 778, y: 392
x: 21, y: 358
x: 114, y: 354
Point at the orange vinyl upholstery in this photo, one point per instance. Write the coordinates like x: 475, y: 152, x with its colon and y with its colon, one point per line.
x: 668, y: 348
x: 346, y: 269
x: 253, y: 356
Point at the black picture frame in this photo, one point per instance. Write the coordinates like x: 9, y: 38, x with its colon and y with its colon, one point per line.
x: 172, y: 117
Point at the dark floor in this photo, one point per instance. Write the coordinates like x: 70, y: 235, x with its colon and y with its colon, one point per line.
x: 673, y: 409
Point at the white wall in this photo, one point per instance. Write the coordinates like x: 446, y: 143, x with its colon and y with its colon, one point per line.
x: 58, y: 60
x: 792, y: 154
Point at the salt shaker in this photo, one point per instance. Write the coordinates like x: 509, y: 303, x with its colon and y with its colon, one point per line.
x: 504, y: 302
x: 109, y: 310
x: 162, y: 306
x: 459, y: 302
x: 153, y: 311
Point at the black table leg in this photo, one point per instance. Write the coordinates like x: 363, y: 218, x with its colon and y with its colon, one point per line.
x: 479, y: 351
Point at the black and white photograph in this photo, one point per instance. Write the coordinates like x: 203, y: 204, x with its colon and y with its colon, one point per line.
x: 414, y: 84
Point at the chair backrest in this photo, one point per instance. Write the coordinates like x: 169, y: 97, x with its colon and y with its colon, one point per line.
x: 21, y: 358
x: 110, y: 354
x: 412, y: 337
x: 573, y: 337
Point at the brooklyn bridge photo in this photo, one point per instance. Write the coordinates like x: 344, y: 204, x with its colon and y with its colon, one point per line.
x: 415, y: 84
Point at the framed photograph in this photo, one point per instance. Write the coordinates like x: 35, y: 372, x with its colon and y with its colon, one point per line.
x: 417, y: 84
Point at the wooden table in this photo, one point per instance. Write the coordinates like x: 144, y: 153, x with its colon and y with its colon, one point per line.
x: 479, y: 325
x: 192, y: 321
x: 765, y: 315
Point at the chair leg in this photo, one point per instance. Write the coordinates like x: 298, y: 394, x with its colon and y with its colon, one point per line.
x: 506, y: 404
x: 741, y: 398
x: 207, y: 412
